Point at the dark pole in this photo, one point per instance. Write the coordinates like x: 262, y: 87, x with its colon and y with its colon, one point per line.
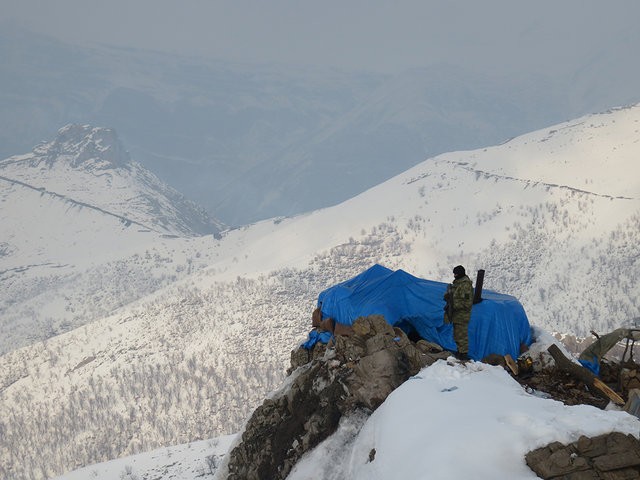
x: 477, y: 294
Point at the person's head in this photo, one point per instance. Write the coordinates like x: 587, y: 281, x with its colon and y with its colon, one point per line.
x: 458, y: 271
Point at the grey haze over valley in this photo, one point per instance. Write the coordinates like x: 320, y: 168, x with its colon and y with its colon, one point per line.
x: 247, y: 126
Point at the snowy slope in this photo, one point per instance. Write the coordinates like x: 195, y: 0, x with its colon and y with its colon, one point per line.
x: 89, y: 167
x: 552, y: 216
x: 420, y: 431
x: 451, y: 422
x: 75, y: 215
x: 181, y: 462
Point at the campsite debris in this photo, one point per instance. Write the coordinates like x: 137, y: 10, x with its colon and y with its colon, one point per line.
x: 584, y: 375
x: 612, y: 395
x: 507, y: 362
x: 615, y: 381
x: 562, y: 387
x: 591, y: 357
x: 610, y: 456
x: 525, y: 364
x: 513, y: 366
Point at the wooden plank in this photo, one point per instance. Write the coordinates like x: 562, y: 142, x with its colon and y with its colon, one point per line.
x: 603, y: 387
x: 513, y: 366
x: 584, y: 375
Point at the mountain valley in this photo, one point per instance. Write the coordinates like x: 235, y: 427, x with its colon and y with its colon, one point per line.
x: 199, y: 328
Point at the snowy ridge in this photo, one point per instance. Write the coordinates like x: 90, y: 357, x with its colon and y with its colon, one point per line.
x: 540, y: 213
x: 43, y: 191
x: 77, y: 214
x: 88, y: 166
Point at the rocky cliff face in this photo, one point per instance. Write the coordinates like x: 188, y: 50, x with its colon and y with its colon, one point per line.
x: 353, y: 374
x: 84, y: 146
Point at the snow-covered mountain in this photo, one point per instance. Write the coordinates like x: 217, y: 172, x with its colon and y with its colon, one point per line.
x: 89, y: 167
x: 552, y: 216
x: 69, y: 207
x: 250, y: 142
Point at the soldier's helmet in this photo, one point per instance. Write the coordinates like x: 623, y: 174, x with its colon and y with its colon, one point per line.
x: 459, y: 270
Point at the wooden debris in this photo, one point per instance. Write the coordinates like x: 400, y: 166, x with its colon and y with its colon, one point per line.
x: 584, y: 375
x: 513, y: 366
x: 603, y: 387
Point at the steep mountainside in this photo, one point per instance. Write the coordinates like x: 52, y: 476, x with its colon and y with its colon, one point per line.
x: 69, y: 209
x: 418, y: 113
x: 552, y: 216
x: 88, y: 167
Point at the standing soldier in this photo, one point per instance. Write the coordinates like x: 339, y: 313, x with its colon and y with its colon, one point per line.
x: 459, y: 298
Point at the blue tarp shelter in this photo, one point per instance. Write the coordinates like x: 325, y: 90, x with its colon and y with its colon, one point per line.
x: 498, y: 324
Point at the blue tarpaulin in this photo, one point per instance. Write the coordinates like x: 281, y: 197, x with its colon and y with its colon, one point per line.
x: 498, y: 324
x: 315, y: 337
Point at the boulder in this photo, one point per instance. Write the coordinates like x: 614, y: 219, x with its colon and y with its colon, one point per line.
x: 608, y: 457
x: 354, y: 373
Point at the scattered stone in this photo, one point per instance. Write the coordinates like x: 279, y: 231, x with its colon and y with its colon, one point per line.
x: 608, y: 457
x: 428, y: 347
x: 372, y: 455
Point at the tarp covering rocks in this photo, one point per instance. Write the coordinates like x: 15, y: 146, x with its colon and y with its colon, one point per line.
x: 499, y: 324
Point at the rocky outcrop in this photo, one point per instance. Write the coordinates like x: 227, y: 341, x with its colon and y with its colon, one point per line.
x: 353, y: 373
x: 614, y: 456
x: 85, y: 147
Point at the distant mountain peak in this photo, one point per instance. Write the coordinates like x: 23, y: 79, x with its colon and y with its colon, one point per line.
x: 84, y: 147
x: 88, y: 166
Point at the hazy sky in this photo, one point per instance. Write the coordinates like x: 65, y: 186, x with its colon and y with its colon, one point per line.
x: 377, y: 35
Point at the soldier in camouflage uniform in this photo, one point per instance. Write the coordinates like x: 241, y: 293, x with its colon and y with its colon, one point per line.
x: 459, y: 298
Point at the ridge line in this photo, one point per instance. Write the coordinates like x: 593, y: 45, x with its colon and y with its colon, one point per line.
x: 127, y: 221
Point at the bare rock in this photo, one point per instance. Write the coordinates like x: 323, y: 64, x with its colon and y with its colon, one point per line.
x: 355, y: 372
x: 610, y: 456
